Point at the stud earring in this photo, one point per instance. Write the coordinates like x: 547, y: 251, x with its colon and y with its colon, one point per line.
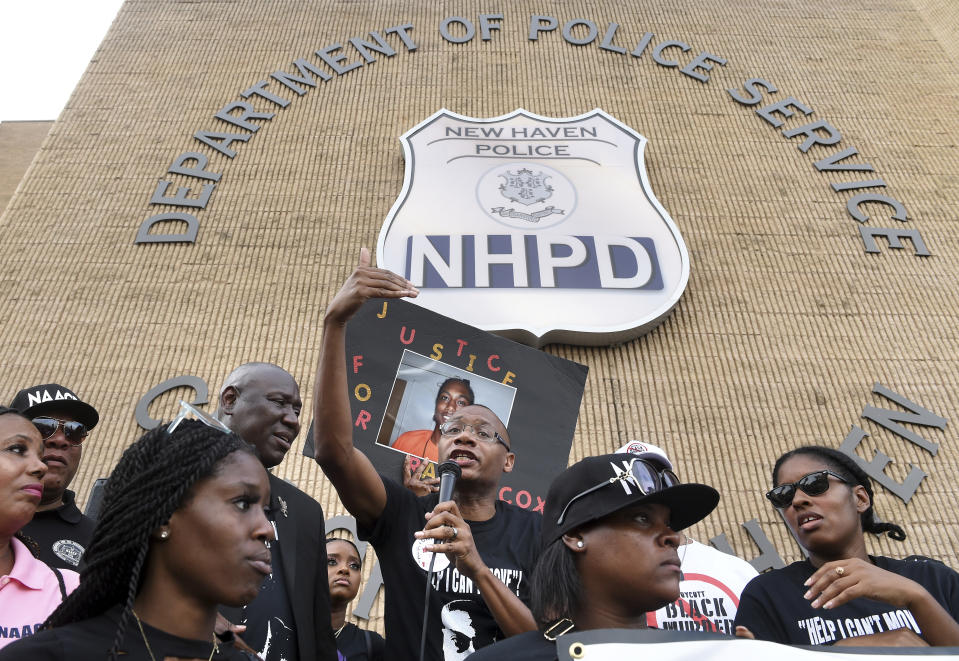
x: 164, y: 534
x: 580, y: 544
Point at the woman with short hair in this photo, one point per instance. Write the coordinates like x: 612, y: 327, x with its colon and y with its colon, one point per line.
x: 610, y: 533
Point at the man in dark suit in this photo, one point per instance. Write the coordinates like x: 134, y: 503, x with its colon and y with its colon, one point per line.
x: 290, y: 618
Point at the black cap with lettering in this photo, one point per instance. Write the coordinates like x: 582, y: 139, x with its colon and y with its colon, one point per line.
x: 687, y: 502
x: 37, y: 400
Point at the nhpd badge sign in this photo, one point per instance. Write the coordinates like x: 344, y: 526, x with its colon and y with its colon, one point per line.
x: 539, y: 229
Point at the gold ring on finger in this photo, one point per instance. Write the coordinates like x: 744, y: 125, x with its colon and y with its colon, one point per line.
x: 840, y: 571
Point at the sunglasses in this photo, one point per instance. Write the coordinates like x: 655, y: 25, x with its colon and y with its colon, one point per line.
x: 813, y: 484
x: 640, y: 473
x: 187, y: 410
x: 73, y: 431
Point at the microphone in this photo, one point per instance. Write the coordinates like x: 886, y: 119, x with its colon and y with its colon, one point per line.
x: 449, y: 472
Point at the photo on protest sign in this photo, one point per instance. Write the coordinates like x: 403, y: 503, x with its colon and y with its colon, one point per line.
x: 408, y: 368
x: 425, y: 393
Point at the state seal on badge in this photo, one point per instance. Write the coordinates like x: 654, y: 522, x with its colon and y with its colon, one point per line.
x: 68, y: 551
x: 524, y: 195
x: 539, y: 229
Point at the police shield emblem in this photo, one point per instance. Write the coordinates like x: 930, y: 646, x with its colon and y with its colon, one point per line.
x: 539, y: 229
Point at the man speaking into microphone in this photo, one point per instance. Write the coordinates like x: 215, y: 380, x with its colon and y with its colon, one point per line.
x: 485, y: 548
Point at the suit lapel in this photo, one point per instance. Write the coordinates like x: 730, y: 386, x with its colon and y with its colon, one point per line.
x: 286, y: 530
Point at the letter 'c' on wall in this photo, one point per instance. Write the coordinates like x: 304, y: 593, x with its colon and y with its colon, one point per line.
x: 141, y: 413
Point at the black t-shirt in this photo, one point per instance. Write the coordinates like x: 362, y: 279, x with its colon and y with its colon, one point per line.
x: 459, y: 620
x: 352, y: 643
x: 268, y: 618
x: 92, y: 639
x: 529, y: 646
x: 62, y: 534
x: 773, y: 608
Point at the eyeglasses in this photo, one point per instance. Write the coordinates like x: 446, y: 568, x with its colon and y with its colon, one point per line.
x: 73, y: 431
x: 187, y: 410
x: 814, y: 484
x: 485, y: 434
x: 640, y: 473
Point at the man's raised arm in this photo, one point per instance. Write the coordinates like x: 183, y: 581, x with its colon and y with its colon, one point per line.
x: 353, y: 476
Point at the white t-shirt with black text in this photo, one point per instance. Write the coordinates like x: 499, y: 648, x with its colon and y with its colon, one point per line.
x: 708, y: 591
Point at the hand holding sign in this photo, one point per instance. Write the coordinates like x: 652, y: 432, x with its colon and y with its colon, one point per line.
x: 364, y: 283
x: 401, y: 357
x: 413, y: 477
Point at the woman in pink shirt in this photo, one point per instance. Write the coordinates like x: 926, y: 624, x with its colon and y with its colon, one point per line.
x: 29, y: 589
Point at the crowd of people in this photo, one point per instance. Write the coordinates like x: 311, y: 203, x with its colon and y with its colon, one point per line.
x: 200, y: 552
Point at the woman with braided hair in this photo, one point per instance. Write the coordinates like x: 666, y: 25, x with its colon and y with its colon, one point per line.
x: 29, y: 589
x: 182, y: 530
x: 841, y: 594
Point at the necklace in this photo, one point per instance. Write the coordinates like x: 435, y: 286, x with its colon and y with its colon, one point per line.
x: 337, y: 633
x: 216, y: 648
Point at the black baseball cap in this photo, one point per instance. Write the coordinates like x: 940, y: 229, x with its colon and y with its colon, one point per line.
x: 688, y: 503
x: 37, y: 400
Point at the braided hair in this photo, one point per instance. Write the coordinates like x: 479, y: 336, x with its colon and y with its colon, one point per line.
x: 27, y: 541
x: 153, y: 479
x: 846, y: 466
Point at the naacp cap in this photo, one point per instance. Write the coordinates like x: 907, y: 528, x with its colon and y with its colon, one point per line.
x: 38, y: 400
